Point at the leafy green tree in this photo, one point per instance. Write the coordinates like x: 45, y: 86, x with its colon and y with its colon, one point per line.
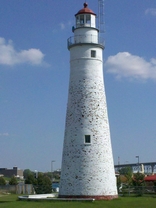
x: 138, y: 179
x: 127, y: 172
x: 44, y: 184
x: 47, y: 184
x: 56, y: 176
x: 41, y: 182
x: 49, y: 174
x: 40, y: 178
x: 13, y: 181
x: 27, y: 172
x: 53, y: 175
x: 30, y: 179
x: 138, y: 182
x: 2, y: 181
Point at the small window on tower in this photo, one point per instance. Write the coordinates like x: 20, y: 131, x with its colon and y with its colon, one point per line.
x: 93, y: 53
x: 87, y: 139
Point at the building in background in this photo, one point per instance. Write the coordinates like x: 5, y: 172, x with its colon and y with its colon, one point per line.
x: 11, y: 172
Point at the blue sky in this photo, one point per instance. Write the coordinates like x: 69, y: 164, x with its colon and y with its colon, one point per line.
x: 34, y: 76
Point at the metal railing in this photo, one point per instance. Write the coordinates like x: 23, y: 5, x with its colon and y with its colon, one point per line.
x: 137, y: 191
x: 85, y: 39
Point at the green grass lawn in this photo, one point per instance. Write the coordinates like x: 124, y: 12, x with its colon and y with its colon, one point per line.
x: 11, y: 201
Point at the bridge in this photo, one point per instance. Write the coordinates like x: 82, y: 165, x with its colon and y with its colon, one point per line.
x: 145, y: 167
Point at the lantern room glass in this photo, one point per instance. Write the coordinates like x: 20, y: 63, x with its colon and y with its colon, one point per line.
x: 83, y: 20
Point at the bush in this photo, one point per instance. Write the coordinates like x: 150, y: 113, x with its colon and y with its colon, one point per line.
x: 41, y: 182
x: 139, y: 183
x: 2, y: 181
x: 44, y: 184
x: 13, y: 181
x: 30, y: 179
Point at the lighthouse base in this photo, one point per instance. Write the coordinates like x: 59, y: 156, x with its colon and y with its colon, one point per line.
x: 104, y: 197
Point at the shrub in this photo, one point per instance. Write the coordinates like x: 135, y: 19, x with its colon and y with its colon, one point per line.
x: 13, y: 181
x: 2, y: 181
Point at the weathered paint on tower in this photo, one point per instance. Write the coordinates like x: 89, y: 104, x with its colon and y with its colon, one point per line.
x: 87, y: 161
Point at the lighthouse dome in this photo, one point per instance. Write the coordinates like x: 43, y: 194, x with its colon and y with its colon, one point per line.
x: 85, y: 10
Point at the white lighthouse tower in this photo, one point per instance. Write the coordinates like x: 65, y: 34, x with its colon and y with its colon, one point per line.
x: 87, y: 161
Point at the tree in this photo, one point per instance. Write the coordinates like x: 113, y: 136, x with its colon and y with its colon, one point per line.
x: 41, y: 182
x: 47, y: 184
x: 30, y: 179
x: 138, y: 179
x: 138, y: 182
x: 56, y: 176
x: 127, y: 172
x: 13, y: 181
x: 2, y: 181
x: 44, y: 184
x: 27, y: 172
x: 53, y: 175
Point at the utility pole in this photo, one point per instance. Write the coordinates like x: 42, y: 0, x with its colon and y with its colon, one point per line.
x: 52, y: 169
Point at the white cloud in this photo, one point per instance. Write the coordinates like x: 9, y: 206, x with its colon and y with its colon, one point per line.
x: 63, y: 26
x: 151, y: 11
x: 4, y: 134
x: 9, y: 56
x: 127, y: 65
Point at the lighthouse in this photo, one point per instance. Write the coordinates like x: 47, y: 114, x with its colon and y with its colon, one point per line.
x: 87, y: 162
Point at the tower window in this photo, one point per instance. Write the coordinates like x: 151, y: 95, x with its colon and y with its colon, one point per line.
x: 87, y: 139
x: 93, y: 53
